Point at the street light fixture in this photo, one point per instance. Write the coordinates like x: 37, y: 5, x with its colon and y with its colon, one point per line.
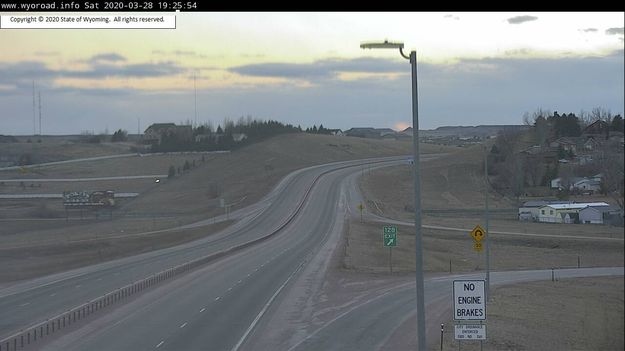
x: 417, y: 183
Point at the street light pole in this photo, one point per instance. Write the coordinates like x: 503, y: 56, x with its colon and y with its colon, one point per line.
x: 421, y: 344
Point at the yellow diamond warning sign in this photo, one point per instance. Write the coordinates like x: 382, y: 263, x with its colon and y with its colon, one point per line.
x: 478, y: 233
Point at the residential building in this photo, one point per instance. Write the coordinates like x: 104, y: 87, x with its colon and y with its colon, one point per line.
x: 600, y: 215
x: 557, y: 213
x: 155, y: 133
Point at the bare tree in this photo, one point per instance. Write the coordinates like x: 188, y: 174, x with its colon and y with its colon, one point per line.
x: 611, y: 165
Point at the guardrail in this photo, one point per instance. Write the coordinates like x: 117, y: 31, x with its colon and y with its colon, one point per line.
x: 35, y: 333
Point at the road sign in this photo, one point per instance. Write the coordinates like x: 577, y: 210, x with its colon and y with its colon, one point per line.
x: 477, y: 246
x: 469, y: 300
x: 478, y: 233
x: 390, y: 240
x: 470, y: 331
x: 390, y: 229
x: 389, y: 235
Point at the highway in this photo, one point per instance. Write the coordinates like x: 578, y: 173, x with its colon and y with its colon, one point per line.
x: 217, y: 307
x: 226, y: 304
x: 372, y: 324
x: 29, y: 302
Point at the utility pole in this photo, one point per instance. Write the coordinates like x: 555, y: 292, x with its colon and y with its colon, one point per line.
x: 195, y: 100
x: 39, y: 112
x: 486, y: 222
x: 412, y: 57
x: 34, y: 118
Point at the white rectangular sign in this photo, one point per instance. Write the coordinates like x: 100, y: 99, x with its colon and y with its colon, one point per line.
x: 469, y: 300
x: 470, y: 332
x: 88, y: 21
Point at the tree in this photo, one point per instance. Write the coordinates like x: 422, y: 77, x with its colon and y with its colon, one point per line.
x: 119, y: 135
x: 565, y: 125
x: 617, y: 124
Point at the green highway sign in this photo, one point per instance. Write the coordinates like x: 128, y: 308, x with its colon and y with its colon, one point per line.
x: 390, y: 235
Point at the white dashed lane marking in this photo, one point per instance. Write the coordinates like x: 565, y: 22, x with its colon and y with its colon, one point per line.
x: 183, y: 325
x: 159, y: 344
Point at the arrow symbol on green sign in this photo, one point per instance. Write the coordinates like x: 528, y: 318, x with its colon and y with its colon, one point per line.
x: 390, y: 242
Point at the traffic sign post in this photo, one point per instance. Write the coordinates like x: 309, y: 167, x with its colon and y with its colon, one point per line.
x: 477, y: 246
x: 361, y: 207
x: 478, y: 233
x: 470, y: 332
x: 469, y: 300
x: 389, y: 239
x: 469, y: 310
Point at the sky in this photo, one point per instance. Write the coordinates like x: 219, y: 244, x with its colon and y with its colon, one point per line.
x: 307, y: 68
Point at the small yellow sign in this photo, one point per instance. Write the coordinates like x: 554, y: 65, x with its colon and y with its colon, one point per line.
x: 477, y: 246
x: 361, y: 207
x: 478, y: 233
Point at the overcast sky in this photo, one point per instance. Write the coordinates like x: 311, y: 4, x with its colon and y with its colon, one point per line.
x: 307, y: 68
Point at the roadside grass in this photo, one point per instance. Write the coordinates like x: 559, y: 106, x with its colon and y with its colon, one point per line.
x: 242, y: 177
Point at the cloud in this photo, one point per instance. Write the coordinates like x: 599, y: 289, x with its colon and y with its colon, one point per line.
x: 107, y: 57
x: 21, y: 74
x: 328, y: 68
x: 187, y: 53
x: 614, y: 31
x: 521, y: 19
x: 589, y: 30
x: 47, y: 53
x: 472, y: 91
x: 139, y: 70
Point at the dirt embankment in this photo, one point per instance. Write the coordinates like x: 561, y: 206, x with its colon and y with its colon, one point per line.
x: 573, y: 314
x: 241, y: 177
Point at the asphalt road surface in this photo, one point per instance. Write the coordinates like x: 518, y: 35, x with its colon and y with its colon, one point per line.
x: 218, y: 306
x: 31, y: 302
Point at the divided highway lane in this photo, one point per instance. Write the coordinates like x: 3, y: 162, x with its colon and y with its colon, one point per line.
x: 217, y: 307
x: 373, y: 324
x: 27, y: 303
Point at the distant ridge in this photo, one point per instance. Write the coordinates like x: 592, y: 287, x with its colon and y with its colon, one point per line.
x: 471, y: 131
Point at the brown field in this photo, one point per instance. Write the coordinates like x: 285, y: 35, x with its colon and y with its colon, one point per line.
x: 576, y: 314
x: 242, y: 176
x: 60, y: 148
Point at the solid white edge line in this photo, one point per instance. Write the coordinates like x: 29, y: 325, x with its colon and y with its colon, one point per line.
x: 264, y: 310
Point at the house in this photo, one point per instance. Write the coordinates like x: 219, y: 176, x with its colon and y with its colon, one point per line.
x: 566, y: 143
x: 201, y: 138
x: 557, y: 213
x: 374, y: 133
x: 599, y: 215
x: 530, y: 210
x: 598, y: 129
x: 155, y: 133
x: 562, y: 183
x: 386, y: 132
x: 591, y: 144
x: 336, y: 132
x: 239, y: 137
x: 587, y: 186
x: 362, y: 132
x: 584, y: 159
